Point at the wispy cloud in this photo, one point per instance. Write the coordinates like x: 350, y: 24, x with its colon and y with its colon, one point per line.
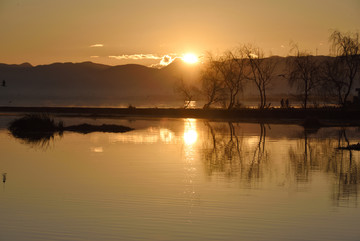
x: 94, y: 56
x: 135, y: 56
x: 164, y: 60
x: 96, y: 45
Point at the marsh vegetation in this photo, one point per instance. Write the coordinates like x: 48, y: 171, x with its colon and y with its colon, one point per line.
x: 40, y: 129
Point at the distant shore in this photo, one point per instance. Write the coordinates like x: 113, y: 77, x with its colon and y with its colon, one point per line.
x: 287, y: 115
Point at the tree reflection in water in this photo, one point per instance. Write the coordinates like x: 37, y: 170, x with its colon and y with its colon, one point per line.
x: 229, y: 153
x: 324, y: 155
x: 347, y: 172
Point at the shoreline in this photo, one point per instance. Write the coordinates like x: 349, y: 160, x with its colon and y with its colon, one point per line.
x: 273, y: 115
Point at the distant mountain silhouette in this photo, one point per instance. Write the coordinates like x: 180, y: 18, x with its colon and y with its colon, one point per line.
x: 95, y: 84
x: 82, y: 83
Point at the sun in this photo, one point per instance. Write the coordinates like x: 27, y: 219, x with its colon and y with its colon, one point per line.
x: 190, y: 58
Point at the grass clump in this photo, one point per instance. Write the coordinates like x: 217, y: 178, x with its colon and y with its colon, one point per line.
x: 35, y: 128
x: 40, y: 129
x: 34, y: 122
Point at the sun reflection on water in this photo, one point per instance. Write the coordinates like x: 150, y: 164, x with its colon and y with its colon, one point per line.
x: 147, y: 136
x: 166, y: 135
x: 159, y: 135
x: 190, y: 134
x: 190, y: 171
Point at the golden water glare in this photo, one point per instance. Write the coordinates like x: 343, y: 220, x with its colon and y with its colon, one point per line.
x: 190, y: 139
x: 190, y: 133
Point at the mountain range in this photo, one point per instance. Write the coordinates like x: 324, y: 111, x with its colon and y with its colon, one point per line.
x: 88, y: 83
x: 92, y: 84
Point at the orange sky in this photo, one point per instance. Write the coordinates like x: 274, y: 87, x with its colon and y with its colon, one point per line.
x: 142, y: 31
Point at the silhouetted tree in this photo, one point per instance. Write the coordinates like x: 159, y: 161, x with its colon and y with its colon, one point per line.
x: 346, y: 46
x: 261, y: 70
x: 223, y: 78
x: 304, y: 72
x: 237, y: 82
x: 334, y: 82
x: 212, y: 85
x: 187, y: 91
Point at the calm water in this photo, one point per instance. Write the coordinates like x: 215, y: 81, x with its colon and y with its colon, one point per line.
x: 181, y: 179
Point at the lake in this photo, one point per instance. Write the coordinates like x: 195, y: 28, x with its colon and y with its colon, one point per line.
x: 181, y: 179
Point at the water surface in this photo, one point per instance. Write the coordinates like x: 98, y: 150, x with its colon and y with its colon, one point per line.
x: 181, y: 179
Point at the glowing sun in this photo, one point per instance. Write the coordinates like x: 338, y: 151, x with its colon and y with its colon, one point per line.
x: 190, y: 58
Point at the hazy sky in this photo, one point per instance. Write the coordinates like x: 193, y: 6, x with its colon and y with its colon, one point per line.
x: 142, y: 31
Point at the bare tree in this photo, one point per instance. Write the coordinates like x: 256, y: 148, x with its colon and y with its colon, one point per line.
x: 304, y: 73
x: 261, y: 70
x: 188, y: 92
x: 334, y: 83
x: 226, y: 77
x: 233, y: 67
x: 212, y: 85
x: 346, y: 47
